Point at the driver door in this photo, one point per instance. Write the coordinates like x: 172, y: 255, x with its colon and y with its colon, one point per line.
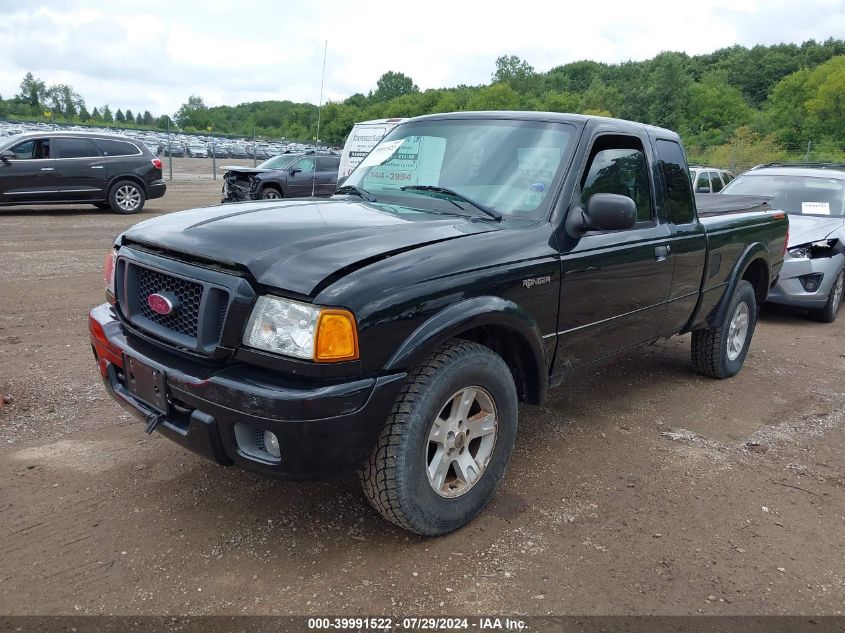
x: 301, y: 177
x: 31, y: 175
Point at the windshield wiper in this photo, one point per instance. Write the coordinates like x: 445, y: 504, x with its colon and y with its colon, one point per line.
x: 451, y: 192
x: 356, y: 191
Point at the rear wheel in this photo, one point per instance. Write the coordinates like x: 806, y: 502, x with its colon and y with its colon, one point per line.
x: 126, y: 196
x: 720, y: 351
x: 447, y: 442
x: 834, y: 300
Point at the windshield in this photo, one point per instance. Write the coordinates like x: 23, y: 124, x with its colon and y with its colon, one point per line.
x: 508, y: 166
x: 797, y: 195
x: 279, y: 162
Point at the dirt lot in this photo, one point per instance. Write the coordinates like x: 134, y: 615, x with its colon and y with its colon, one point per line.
x: 633, y: 489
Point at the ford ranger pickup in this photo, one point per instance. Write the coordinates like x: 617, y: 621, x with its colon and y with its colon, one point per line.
x: 471, y: 262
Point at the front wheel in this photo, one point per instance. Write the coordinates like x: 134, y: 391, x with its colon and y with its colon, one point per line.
x: 834, y: 300
x: 447, y: 442
x: 271, y: 193
x: 720, y: 351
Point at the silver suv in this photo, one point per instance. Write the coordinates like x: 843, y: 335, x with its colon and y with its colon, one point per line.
x: 709, y: 179
x: 814, y: 197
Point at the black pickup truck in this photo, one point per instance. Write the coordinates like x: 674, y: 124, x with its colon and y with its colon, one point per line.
x: 469, y: 263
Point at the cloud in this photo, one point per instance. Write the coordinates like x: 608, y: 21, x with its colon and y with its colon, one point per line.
x: 232, y: 51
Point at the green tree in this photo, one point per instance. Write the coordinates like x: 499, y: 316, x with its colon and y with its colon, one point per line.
x: 119, y: 117
x: 193, y: 114
x: 129, y: 116
x: 95, y: 114
x: 514, y: 71
x: 496, y: 97
x: 33, y: 91
x: 714, y: 105
x: 826, y: 106
x: 107, y: 116
x: 600, y: 97
x: 148, y: 119
x: 668, y: 91
x: 393, y: 84
x: 83, y: 113
x: 139, y: 119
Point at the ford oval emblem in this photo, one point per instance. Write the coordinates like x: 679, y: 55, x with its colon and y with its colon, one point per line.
x: 160, y: 304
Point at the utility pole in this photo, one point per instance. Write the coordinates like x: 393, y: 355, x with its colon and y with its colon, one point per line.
x: 253, y: 147
x: 319, y: 112
x: 169, y: 149
x: 213, y: 153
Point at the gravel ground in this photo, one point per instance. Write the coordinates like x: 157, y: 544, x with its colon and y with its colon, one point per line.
x: 638, y: 488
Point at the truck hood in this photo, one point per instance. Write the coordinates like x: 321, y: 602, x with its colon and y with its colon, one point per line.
x: 296, y: 244
x: 237, y: 169
x: 805, y: 229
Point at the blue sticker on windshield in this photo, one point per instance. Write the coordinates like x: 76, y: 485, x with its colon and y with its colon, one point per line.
x: 539, y: 187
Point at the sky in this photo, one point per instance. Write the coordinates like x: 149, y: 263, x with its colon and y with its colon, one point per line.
x: 153, y: 56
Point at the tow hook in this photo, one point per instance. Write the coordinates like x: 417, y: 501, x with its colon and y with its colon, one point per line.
x: 152, y: 422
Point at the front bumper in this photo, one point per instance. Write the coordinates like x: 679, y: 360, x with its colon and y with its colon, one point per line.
x: 323, y: 429
x: 789, y: 290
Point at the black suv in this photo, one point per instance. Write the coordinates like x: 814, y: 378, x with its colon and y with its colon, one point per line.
x: 75, y: 167
x: 285, y: 176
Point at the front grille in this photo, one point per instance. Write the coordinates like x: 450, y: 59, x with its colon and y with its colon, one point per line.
x: 200, y: 300
x: 185, y: 319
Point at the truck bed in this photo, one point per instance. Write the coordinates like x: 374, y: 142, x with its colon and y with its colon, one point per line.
x: 720, y: 204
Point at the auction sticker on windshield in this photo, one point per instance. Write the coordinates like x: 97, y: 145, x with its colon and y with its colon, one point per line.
x: 412, y: 161
x: 815, y: 208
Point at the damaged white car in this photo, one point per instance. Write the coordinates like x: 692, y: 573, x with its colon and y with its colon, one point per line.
x: 813, y: 195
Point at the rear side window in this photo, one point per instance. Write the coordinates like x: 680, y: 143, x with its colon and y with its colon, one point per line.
x: 328, y: 163
x: 678, y: 186
x: 32, y: 149
x: 715, y: 181
x: 109, y: 147
x: 702, y: 185
x: 74, y: 148
x: 618, y: 165
x: 305, y: 165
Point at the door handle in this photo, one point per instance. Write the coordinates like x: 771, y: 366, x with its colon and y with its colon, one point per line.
x: 46, y: 169
x: 662, y: 252
x: 96, y: 166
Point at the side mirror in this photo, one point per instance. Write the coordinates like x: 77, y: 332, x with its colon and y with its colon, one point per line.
x: 294, y: 170
x: 610, y: 212
x: 6, y: 155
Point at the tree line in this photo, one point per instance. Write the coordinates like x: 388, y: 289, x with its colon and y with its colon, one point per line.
x: 778, y: 97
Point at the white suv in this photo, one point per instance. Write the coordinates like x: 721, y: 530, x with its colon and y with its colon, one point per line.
x: 709, y: 179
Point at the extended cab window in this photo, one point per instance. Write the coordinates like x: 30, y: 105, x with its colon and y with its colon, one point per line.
x: 702, y: 185
x: 32, y: 149
x: 676, y: 178
x: 618, y: 165
x: 715, y: 181
x: 74, y: 148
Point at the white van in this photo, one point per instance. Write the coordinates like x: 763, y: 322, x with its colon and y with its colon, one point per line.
x: 361, y: 140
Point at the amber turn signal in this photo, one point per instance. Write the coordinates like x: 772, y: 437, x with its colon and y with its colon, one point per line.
x: 337, y: 337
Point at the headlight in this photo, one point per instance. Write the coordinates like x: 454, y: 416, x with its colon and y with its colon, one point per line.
x: 108, y: 274
x: 800, y: 252
x: 301, y: 330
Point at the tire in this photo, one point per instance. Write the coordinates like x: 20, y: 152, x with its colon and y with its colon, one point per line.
x: 720, y: 351
x: 271, y: 193
x: 126, y: 197
x: 396, y: 477
x: 834, y: 300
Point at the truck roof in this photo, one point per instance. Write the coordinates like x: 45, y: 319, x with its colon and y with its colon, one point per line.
x: 562, y: 117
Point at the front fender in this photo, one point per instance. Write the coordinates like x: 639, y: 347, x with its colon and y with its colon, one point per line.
x: 494, y: 314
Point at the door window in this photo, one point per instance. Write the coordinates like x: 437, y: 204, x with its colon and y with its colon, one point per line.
x: 75, y: 148
x: 35, y: 148
x: 716, y: 182
x: 305, y: 165
x: 328, y: 163
x: 702, y: 185
x: 618, y: 165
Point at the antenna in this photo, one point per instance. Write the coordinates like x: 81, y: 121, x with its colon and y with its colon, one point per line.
x: 319, y: 111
